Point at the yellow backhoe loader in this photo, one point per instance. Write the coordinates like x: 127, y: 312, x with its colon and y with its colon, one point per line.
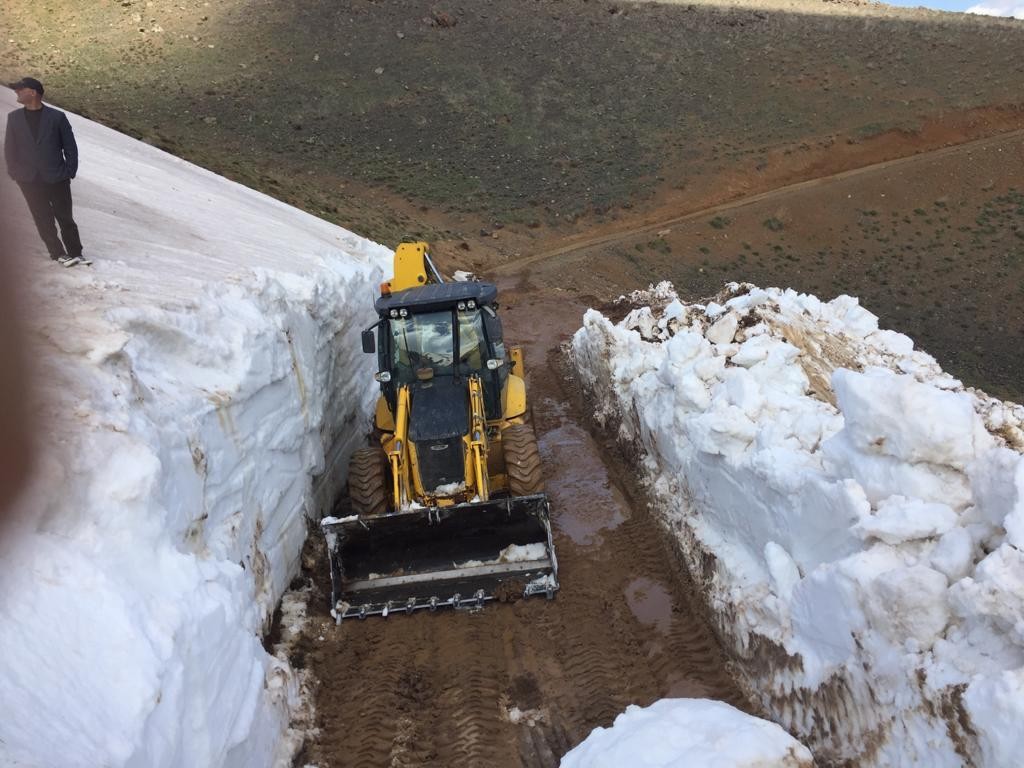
x: 448, y: 508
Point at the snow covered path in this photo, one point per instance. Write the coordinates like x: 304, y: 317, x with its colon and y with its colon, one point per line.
x: 855, y: 513
x: 189, y: 387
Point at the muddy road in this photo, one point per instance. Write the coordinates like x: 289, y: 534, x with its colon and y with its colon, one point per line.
x: 520, y: 684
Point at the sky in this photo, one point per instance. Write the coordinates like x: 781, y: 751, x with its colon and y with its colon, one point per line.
x: 991, y: 7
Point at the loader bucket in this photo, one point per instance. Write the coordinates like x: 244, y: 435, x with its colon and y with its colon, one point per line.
x: 434, y: 557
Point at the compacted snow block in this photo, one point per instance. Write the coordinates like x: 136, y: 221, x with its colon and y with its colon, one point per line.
x: 855, y: 514
x: 695, y: 733
x: 195, y: 389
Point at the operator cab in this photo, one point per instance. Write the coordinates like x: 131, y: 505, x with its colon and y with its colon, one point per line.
x: 439, y: 334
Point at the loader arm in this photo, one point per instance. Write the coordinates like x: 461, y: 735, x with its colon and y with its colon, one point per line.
x: 478, y: 438
x: 398, y: 453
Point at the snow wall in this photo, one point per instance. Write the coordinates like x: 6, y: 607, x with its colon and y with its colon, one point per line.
x: 854, y: 514
x: 199, y: 390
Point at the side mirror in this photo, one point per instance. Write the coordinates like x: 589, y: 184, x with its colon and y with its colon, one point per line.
x: 369, y: 342
x: 495, y: 363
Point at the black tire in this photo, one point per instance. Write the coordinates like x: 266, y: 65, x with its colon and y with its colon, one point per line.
x: 522, y: 460
x: 368, y: 482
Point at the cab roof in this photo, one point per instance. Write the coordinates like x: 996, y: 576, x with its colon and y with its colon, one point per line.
x: 435, y: 296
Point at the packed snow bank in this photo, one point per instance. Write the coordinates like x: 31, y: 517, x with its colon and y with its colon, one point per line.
x: 199, y: 384
x: 856, y: 515
x: 695, y: 733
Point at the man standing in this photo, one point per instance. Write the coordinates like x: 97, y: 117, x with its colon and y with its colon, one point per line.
x: 42, y: 157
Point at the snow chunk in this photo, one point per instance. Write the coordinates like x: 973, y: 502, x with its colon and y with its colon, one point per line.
x: 954, y: 554
x: 714, y: 309
x: 513, y: 553
x: 688, y: 732
x: 331, y: 520
x: 519, y: 553
x: 908, y: 604
x: 900, y: 519
x: 894, y: 415
x: 995, y: 593
x: 753, y: 351
x: 723, y: 331
x: 998, y: 483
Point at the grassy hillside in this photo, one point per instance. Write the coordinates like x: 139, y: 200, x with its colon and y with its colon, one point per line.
x: 529, y: 112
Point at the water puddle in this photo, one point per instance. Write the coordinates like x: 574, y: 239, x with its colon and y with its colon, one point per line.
x: 584, y: 501
x: 650, y: 602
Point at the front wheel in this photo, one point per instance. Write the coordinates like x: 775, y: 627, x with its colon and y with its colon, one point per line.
x: 522, y: 460
x: 368, y: 482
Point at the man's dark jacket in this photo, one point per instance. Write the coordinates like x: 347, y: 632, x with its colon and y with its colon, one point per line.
x: 50, y: 158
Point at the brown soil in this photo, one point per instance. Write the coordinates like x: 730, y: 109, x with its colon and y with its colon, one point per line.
x: 521, y: 683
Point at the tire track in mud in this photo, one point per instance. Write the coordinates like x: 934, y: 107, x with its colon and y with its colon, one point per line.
x: 685, y: 659
x: 371, y: 717
x: 389, y: 716
x: 470, y: 701
x: 693, y: 663
x: 540, y: 734
x: 520, y: 684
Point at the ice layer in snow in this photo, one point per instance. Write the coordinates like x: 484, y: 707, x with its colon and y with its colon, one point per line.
x: 688, y: 733
x: 196, y: 391
x: 864, y: 510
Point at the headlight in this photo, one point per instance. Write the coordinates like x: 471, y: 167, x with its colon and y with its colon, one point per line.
x: 461, y: 306
x: 472, y: 304
x: 393, y: 313
x: 403, y: 312
x: 383, y: 376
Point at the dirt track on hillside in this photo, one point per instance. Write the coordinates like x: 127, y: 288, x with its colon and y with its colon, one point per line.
x: 654, y: 223
x: 520, y: 684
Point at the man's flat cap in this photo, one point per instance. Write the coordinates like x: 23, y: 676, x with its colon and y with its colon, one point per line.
x: 28, y: 82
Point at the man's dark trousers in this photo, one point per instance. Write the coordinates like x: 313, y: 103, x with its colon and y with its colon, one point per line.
x: 47, y: 202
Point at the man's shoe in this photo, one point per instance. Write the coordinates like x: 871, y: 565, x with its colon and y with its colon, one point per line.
x: 85, y: 261
x: 70, y: 261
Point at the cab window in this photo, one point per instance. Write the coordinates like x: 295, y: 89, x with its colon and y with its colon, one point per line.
x: 422, y: 341
x: 472, y: 343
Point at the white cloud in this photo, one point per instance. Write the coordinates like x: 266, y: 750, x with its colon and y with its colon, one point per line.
x: 1012, y: 8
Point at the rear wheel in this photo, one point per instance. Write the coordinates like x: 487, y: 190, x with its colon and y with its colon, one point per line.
x: 368, y: 482
x: 522, y: 460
